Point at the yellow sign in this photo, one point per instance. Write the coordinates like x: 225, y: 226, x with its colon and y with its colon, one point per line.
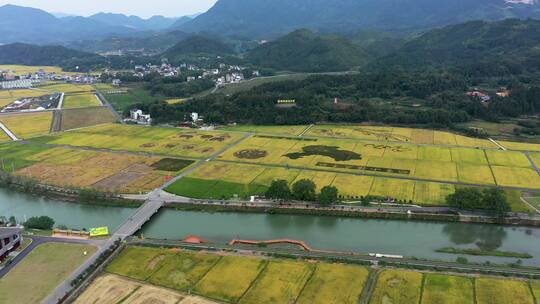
x: 100, y: 231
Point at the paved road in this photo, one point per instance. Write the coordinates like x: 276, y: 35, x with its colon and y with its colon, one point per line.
x: 105, y: 102
x: 8, y: 132
x: 38, y: 240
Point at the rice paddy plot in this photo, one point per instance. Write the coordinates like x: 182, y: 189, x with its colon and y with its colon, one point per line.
x: 19, y: 70
x: 432, y: 193
x: 107, y: 289
x: 434, y: 153
x: 438, y: 171
x: 472, y: 174
x: 165, y: 141
x: 520, y: 146
x: 535, y: 287
x: 27, y: 125
x: 67, y: 88
x: 397, y: 287
x: 284, y: 130
x: 85, y: 117
x: 516, y: 177
x: 402, y: 190
x: 445, y: 289
x: 229, y: 279
x: 80, y: 101
x: 138, y: 262
x: 353, y: 186
x: 183, y: 270
x: 472, y: 156
x: 508, y: 158
x: 151, y: 294
x: 280, y: 282
x: 498, y: 291
x: 334, y: 284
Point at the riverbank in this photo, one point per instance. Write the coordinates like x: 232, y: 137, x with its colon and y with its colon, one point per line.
x: 422, y: 214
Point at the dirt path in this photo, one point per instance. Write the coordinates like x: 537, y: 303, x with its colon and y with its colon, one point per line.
x: 369, y: 287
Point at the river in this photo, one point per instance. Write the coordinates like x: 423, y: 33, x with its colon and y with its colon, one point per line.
x: 408, y: 238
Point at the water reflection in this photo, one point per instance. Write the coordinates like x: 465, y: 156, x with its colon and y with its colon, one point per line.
x: 485, y: 237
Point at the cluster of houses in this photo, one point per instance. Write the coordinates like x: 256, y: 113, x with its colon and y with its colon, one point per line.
x: 41, y: 75
x: 484, y: 97
x: 223, y: 74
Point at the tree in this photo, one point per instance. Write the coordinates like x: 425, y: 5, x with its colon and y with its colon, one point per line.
x: 12, y: 221
x: 328, y: 196
x: 40, y: 222
x: 465, y: 198
x: 279, y: 189
x: 304, y: 190
x: 495, y: 200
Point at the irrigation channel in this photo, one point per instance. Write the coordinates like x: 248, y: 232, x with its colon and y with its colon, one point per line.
x: 407, y: 238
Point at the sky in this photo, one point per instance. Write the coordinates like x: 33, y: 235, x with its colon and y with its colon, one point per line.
x: 142, y: 8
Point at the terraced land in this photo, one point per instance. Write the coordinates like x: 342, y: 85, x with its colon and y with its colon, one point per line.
x: 80, y: 101
x: 255, y: 280
x: 166, y: 141
x: 41, y: 271
x: 88, y: 169
x: 27, y: 125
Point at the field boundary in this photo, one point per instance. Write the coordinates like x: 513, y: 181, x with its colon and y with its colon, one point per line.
x: 313, y: 270
x: 529, y: 284
x: 254, y: 282
x: 422, y: 285
x: 369, y: 285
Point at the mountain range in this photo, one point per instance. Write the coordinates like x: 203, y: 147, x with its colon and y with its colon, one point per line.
x: 30, y: 25
x: 263, y: 19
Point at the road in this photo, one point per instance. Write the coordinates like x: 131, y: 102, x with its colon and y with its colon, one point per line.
x: 8, y: 132
x: 38, y: 240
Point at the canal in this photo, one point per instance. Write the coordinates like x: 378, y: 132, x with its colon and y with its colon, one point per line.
x: 408, y: 238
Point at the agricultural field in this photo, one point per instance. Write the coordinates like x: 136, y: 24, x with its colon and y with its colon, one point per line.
x: 216, y: 180
x: 251, y: 280
x: 444, y: 289
x: 89, y: 169
x: 334, y: 284
x: 67, y: 88
x: 19, y: 70
x: 280, y: 282
x: 27, y: 125
x: 3, y: 136
x: 397, y: 287
x: 520, y: 146
x: 80, y: 101
x: 396, y: 134
x: 41, y: 271
x: 9, y: 96
x: 112, y: 289
x: 163, y: 141
x: 85, y: 117
x: 230, y: 278
x: 284, y: 130
x: 497, y: 291
x: 130, y: 96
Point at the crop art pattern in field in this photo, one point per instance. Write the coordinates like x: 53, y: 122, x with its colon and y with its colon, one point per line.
x: 165, y: 141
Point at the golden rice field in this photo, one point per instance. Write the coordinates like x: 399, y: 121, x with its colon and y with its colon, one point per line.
x: 417, y: 136
x: 445, y: 289
x: 519, y: 146
x: 498, y: 291
x: 255, y: 280
x: 63, y: 167
x: 113, y: 289
x: 397, y: 287
x: 19, y: 70
x: 166, y: 141
x: 80, y: 101
x: 27, y: 125
x: 67, y: 88
x: 285, y: 130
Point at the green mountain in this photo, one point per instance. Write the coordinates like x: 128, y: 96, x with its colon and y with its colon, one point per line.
x: 265, y: 19
x: 305, y: 51
x: 505, y: 47
x: 197, y: 45
x: 26, y: 54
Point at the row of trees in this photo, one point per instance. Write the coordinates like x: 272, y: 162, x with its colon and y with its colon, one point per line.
x: 302, y: 190
x: 490, y: 199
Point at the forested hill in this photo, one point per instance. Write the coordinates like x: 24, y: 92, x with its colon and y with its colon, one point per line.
x: 478, y: 48
x: 264, y: 19
x: 305, y: 51
x: 26, y: 54
x: 197, y: 45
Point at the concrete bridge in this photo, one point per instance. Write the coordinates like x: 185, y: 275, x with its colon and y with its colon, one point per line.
x: 139, y: 218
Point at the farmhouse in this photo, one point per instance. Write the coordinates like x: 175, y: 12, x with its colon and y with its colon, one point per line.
x: 10, y: 240
x: 139, y: 117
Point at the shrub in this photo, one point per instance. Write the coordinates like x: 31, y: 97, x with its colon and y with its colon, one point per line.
x: 39, y: 222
